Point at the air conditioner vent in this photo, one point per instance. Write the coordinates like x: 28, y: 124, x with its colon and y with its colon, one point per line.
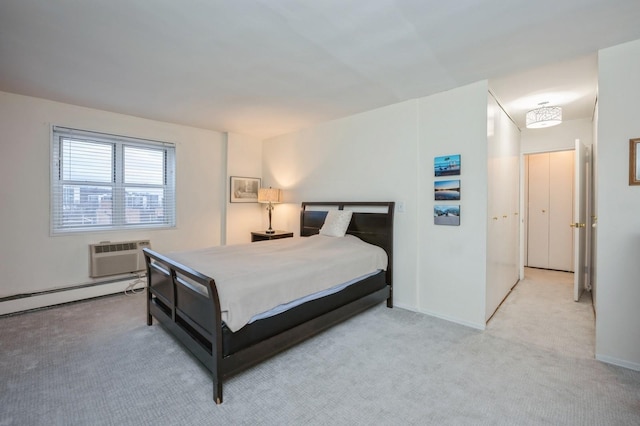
x: 117, y: 258
x: 108, y: 248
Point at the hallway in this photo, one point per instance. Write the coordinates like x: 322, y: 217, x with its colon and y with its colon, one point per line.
x: 540, y: 311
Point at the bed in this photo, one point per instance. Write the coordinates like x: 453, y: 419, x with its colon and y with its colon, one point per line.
x: 185, y: 300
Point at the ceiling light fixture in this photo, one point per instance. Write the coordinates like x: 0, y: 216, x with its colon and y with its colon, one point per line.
x: 545, y: 116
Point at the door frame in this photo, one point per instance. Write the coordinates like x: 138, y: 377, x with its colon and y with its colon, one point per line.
x: 582, y: 219
x: 524, y: 218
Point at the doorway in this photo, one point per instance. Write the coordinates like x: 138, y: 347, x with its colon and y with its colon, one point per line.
x: 549, y: 209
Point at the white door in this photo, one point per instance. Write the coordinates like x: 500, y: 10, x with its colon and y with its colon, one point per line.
x: 580, y: 219
x: 538, y: 211
x: 550, y: 184
x: 561, y: 199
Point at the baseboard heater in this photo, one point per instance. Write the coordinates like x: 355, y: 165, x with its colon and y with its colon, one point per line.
x: 107, y: 258
x: 65, y: 289
x: 26, y: 302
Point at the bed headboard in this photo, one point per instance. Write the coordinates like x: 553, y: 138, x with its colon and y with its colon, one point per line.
x: 371, y: 222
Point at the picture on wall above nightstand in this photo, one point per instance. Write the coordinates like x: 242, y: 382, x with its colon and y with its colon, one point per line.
x: 244, y: 189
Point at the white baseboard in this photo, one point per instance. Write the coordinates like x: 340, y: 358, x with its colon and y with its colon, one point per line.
x: 67, y: 295
x: 619, y: 362
x: 444, y: 317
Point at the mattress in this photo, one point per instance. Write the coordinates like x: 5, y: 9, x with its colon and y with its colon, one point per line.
x: 254, y: 278
x: 320, y: 294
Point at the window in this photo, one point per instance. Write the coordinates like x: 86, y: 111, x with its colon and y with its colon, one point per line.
x: 103, y: 182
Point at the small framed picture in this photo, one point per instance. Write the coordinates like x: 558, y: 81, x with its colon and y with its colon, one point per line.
x: 244, y: 189
x: 446, y: 215
x: 447, y: 165
x: 447, y: 189
x: 634, y: 161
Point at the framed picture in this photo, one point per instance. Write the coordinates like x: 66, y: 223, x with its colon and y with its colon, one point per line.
x: 634, y: 161
x: 447, y: 189
x: 447, y: 165
x: 244, y: 189
x: 446, y: 215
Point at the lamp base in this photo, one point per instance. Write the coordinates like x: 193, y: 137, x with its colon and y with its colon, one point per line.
x: 270, y: 230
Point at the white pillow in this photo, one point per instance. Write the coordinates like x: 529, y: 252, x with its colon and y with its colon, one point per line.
x: 336, y: 223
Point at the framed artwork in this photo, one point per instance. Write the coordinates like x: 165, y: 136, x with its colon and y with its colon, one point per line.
x: 447, y: 189
x: 634, y: 161
x: 446, y: 215
x: 244, y: 189
x: 447, y: 165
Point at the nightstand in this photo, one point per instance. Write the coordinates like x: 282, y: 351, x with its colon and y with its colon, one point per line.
x: 263, y: 236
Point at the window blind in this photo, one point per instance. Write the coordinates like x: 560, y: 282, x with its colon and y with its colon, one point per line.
x: 101, y: 182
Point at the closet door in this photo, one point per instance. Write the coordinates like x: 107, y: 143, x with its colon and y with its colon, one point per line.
x: 538, y: 211
x: 550, y: 210
x: 561, y: 165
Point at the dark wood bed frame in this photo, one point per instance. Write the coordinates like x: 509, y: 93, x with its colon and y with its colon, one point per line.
x: 195, y: 319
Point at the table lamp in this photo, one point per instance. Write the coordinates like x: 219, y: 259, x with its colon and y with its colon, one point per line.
x: 270, y: 196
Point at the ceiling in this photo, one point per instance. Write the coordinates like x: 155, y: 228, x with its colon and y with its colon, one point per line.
x: 267, y: 67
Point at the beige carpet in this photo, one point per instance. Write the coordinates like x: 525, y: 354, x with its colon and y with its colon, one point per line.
x: 541, y: 312
x: 97, y: 363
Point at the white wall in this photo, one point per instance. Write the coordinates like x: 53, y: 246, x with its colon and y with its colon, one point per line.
x: 618, y: 206
x: 30, y: 259
x: 387, y: 154
x: 557, y: 138
x: 365, y: 157
x: 244, y: 158
x: 452, y: 260
x: 503, y: 222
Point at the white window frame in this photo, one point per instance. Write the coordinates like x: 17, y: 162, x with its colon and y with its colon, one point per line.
x: 118, y: 184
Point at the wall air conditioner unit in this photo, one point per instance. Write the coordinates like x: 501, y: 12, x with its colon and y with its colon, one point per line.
x: 117, y: 258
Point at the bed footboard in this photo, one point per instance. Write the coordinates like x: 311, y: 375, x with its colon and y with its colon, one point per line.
x: 192, y: 317
x: 195, y: 320
x: 176, y: 299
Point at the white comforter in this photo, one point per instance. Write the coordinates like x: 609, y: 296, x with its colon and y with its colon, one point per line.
x: 253, y: 278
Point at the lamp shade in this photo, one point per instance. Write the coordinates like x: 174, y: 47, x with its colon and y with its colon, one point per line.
x: 546, y: 116
x: 269, y: 195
